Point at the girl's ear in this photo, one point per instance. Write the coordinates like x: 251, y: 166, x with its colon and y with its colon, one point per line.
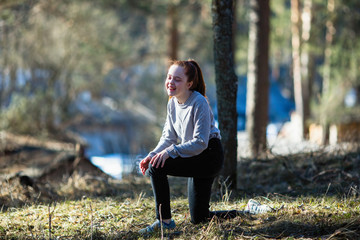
x: 189, y: 84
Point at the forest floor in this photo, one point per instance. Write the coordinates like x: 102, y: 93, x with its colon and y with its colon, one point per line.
x: 314, y: 194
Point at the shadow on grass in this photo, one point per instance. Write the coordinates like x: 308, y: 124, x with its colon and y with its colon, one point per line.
x: 287, y: 229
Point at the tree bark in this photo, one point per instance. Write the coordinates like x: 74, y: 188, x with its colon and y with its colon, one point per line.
x: 257, y: 100
x: 226, y: 85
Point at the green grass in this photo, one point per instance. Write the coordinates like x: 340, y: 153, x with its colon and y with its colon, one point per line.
x: 324, y: 217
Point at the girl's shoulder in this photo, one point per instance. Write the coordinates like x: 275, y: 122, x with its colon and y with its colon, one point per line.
x: 199, y: 98
x: 200, y: 102
x: 171, y: 103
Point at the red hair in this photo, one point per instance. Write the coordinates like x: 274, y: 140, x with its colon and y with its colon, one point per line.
x: 194, y: 74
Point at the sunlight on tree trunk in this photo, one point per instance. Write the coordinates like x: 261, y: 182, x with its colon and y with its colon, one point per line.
x: 296, y: 46
x: 306, y: 63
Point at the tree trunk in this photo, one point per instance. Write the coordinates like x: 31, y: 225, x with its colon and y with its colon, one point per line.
x: 330, y: 31
x: 226, y: 85
x: 306, y: 63
x: 257, y: 101
x: 173, y: 32
x: 296, y: 46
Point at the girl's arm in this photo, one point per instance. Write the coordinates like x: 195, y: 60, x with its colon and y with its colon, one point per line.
x: 168, y: 136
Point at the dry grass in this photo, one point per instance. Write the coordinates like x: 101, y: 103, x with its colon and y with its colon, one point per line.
x: 122, y: 214
x: 92, y: 207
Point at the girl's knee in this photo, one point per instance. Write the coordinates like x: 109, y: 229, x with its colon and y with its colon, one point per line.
x: 153, y: 171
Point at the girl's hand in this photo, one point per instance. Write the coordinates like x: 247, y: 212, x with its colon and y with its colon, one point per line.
x: 159, y: 159
x: 144, y: 164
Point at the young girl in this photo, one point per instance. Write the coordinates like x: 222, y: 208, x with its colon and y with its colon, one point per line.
x: 189, y: 146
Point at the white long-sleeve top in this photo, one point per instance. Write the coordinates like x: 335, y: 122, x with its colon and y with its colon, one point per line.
x: 188, y: 127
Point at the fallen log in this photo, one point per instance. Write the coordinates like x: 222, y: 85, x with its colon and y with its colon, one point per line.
x: 12, y: 141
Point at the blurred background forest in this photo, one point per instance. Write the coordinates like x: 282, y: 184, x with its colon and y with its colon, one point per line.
x: 97, y: 68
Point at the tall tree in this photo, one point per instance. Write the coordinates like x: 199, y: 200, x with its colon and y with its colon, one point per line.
x: 226, y: 84
x: 301, y: 62
x: 172, y: 25
x: 296, y: 64
x: 306, y: 61
x: 258, y: 76
x: 330, y: 32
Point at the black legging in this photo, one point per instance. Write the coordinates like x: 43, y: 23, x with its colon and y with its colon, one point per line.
x: 201, y: 171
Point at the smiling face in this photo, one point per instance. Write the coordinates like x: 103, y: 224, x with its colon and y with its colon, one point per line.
x: 177, y: 84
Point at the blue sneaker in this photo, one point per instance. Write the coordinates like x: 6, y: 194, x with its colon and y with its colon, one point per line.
x: 156, y: 226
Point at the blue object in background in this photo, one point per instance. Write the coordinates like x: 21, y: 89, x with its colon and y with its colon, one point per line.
x: 116, y: 165
x: 280, y: 107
